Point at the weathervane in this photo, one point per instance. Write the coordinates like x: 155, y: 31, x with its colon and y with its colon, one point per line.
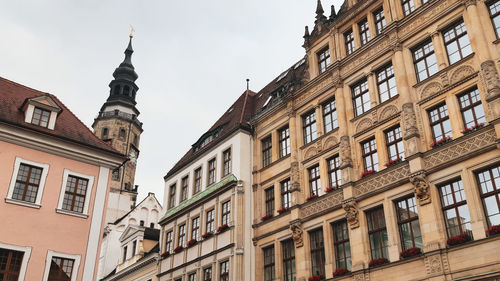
x: 131, y: 31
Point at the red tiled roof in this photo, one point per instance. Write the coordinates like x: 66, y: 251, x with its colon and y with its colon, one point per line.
x: 67, y: 126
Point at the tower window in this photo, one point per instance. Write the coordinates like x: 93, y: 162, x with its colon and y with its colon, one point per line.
x: 126, y: 91
x: 117, y: 90
x: 122, y: 133
x: 105, y: 132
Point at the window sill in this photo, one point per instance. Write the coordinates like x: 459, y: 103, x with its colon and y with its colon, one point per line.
x: 71, y: 213
x: 22, y: 203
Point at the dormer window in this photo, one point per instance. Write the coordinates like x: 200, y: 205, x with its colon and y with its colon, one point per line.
x: 105, y: 133
x: 40, y: 117
x: 41, y: 111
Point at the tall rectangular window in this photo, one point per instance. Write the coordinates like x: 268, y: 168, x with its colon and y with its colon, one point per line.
x: 269, y: 200
x: 408, y: 7
x: 360, y: 97
x: 342, y: 245
x: 125, y: 252
x: 211, y: 171
x: 27, y: 183
x: 210, y: 221
x: 409, y: 228
x: 369, y: 153
x: 284, y: 141
x: 169, y: 241
x: 334, y: 177
x: 224, y: 271
x: 184, y: 188
x: 440, y: 122
x: 457, y: 42
x: 192, y: 277
x: 61, y: 269
x: 197, y: 181
x: 317, y: 252
x: 266, y: 151
x: 40, y: 117
x: 455, y: 210
x: 226, y: 212
x: 269, y: 267
x: 314, y: 180
x: 494, y: 9
x: 377, y: 233
x: 74, y: 195
x: 364, y: 32
x: 471, y: 108
x: 379, y: 17
x: 386, y: 83
x: 323, y: 59
x: 227, y: 162
x: 349, y: 42
x: 195, y: 228
x: 286, y: 194
x: 288, y: 248
x: 309, y: 126
x: 489, y: 182
x: 134, y: 248
x: 10, y: 264
x: 395, y: 146
x: 171, y: 198
x: 424, y: 60
x: 207, y: 274
x: 181, y: 238
x: 330, y: 115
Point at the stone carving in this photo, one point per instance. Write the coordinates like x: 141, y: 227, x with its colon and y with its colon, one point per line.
x: 381, y: 180
x: 409, y: 121
x: 345, y: 152
x: 310, y: 152
x: 329, y: 142
x: 444, y: 79
x: 329, y: 201
x: 421, y: 188
x: 461, y: 73
x: 364, y: 124
x: 388, y: 111
x: 296, y: 228
x: 433, y: 264
x: 359, y: 277
x: 290, y: 111
x: 294, y: 173
x: 351, y: 213
x: 491, y: 76
x: 430, y: 89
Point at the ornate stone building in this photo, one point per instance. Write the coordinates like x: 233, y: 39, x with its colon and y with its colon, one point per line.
x: 378, y: 153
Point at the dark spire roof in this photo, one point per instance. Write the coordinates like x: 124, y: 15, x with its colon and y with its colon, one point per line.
x: 126, y: 70
x: 319, y: 13
x: 333, y: 14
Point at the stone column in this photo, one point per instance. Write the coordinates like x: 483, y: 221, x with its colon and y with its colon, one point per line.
x: 319, y: 120
x: 439, y: 50
x: 294, y: 150
x: 302, y: 261
x: 357, y: 234
x: 345, y: 143
x: 329, y: 249
x: 357, y: 39
x: 372, y: 88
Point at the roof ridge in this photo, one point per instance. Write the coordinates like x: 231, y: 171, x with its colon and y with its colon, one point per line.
x: 24, y: 86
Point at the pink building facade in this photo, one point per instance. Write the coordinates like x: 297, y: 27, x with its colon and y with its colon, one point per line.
x: 54, y: 177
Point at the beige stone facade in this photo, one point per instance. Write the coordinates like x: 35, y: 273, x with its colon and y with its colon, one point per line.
x: 360, y: 141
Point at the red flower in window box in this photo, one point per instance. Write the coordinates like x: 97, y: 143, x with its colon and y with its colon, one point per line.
x: 316, y: 277
x: 440, y: 142
x: 165, y: 254
x: 266, y: 216
x: 393, y: 162
x: 410, y: 252
x: 331, y: 188
x: 340, y: 272
x: 282, y: 210
x: 178, y: 249
x: 222, y: 228
x: 377, y: 262
x: 206, y: 235
x: 459, y: 239
x: 312, y: 197
x: 473, y: 128
x: 493, y: 230
x: 192, y: 242
x: 367, y: 173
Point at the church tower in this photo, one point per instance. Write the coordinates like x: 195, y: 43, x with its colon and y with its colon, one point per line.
x: 118, y: 125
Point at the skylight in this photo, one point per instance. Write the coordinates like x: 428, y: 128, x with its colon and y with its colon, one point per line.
x: 267, y: 101
x: 283, y: 75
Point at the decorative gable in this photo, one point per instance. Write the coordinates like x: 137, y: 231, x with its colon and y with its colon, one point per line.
x: 41, y: 111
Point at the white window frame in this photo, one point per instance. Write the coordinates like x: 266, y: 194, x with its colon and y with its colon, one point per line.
x: 26, y: 257
x: 51, y: 254
x: 88, y: 194
x: 43, y: 177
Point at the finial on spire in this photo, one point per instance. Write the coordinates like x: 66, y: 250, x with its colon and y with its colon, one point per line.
x: 132, y: 30
x: 319, y: 13
x: 306, y: 33
x: 248, y: 84
x: 333, y: 13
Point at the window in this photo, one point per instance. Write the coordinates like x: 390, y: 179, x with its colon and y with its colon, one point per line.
x: 115, y: 175
x: 197, y: 181
x: 360, y: 97
x: 425, y: 60
x: 314, y: 180
x: 209, y: 224
x: 334, y: 177
x: 169, y: 241
x: 134, y: 246
x: 74, y: 196
x: 226, y: 212
x: 489, y: 181
x: 141, y: 223
x: 61, y: 269
x: 309, y: 126
x: 369, y: 153
x: 195, y: 228
x: 192, y: 277
x: 471, y: 108
x: 226, y: 170
x: 323, y: 59
x: 40, y: 117
x: 269, y: 193
x: 395, y: 147
x: 286, y: 194
x: 211, y: 171
x: 440, y: 122
x: 207, y: 274
x: 224, y: 271
x: 105, y: 132
x: 122, y: 134
x: 184, y: 189
x: 27, y: 183
x: 171, y: 199
x: 269, y: 268
x: 349, y: 42
x: 408, y: 6
x: 288, y: 260
x: 379, y: 17
x: 342, y: 245
x: 377, y: 233
x: 181, y: 235
x: 284, y: 141
x: 124, y: 253
x: 10, y: 264
x: 317, y: 252
x: 409, y: 228
x: 330, y: 115
x: 455, y: 210
x: 457, y: 42
x: 135, y: 140
x: 494, y: 8
x: 386, y: 83
x: 266, y: 151
x: 152, y: 225
x: 364, y: 32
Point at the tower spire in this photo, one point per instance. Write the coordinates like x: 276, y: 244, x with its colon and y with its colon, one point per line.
x: 319, y: 13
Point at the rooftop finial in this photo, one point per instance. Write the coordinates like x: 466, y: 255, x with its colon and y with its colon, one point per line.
x: 132, y: 30
x: 319, y: 13
x: 333, y: 13
x: 248, y: 84
x: 306, y: 33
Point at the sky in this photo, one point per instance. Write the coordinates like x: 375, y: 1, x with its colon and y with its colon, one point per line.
x: 192, y: 58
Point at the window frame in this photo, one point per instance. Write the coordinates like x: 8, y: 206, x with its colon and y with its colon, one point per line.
x: 197, y: 180
x: 495, y: 193
x: 455, y: 205
x: 364, y: 31
x: 408, y: 220
x: 226, y: 213
x: 17, y: 163
x: 90, y: 183
x: 195, y: 228
x: 286, y: 192
x: 181, y: 235
x: 212, y: 171
x: 51, y: 254
x: 269, y: 200
x: 324, y: 59
x: 267, y: 151
x: 288, y: 256
x: 440, y: 121
x: 329, y: 112
x: 370, y: 153
x: 169, y: 241
x: 472, y: 107
x: 389, y: 75
x: 226, y: 162
x: 284, y: 141
x: 269, y: 259
x: 363, y: 92
x: 349, y: 42
x: 380, y: 22
x: 489, y: 4
x: 410, y: 7
x: 40, y: 119
x: 183, y: 195
x: 171, y: 195
x: 333, y: 164
x: 309, y: 126
x: 378, y: 231
x: 209, y: 271
x: 421, y: 46
x: 342, y: 241
x: 210, y: 220
x: 26, y: 256
x: 320, y: 249
x: 456, y: 38
x: 224, y: 275
x: 397, y: 142
x: 314, y: 179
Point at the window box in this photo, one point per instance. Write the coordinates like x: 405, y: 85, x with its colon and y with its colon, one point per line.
x: 493, y: 230
x: 222, y: 228
x: 393, y: 162
x: 282, y: 210
x: 340, y: 272
x: 317, y: 277
x: 331, y: 188
x: 192, y: 242
x: 207, y: 234
x: 378, y: 262
x: 411, y: 252
x: 473, y: 128
x: 460, y: 239
x: 311, y: 197
x: 440, y: 142
x: 266, y: 217
x: 165, y: 254
x: 367, y: 173
x: 178, y: 249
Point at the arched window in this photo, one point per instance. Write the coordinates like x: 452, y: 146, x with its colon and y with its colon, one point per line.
x: 105, y: 132
x: 126, y: 91
x: 122, y: 133
x: 117, y: 90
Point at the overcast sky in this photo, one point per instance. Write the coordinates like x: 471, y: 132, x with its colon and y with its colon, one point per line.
x: 192, y: 58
